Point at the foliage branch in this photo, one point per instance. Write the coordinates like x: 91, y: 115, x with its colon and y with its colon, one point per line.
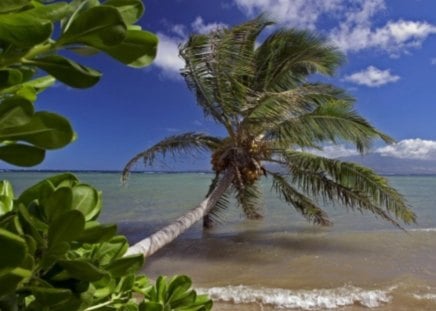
x: 55, y: 254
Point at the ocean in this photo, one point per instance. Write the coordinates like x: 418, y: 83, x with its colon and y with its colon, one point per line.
x: 280, y: 262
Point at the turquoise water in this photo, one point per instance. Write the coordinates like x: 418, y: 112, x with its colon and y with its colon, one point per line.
x: 280, y: 262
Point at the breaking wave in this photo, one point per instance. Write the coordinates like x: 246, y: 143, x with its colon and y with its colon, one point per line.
x: 300, y: 299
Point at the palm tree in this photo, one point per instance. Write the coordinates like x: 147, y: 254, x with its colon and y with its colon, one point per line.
x: 273, y: 113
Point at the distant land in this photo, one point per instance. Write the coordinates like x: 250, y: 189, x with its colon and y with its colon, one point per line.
x: 386, y: 165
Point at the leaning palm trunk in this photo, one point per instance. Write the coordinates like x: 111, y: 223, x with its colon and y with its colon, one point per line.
x: 166, y: 235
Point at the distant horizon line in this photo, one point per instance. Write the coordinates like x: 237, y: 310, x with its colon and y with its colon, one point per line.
x: 102, y: 171
x: 164, y: 172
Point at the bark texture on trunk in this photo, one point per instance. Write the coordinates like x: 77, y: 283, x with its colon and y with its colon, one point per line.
x: 159, y: 239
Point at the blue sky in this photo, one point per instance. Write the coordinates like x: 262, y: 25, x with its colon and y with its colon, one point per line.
x: 391, y: 70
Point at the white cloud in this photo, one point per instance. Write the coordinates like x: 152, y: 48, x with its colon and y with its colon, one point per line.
x: 198, y: 26
x: 354, y: 30
x: 415, y: 148
x: 296, y: 13
x: 179, y: 30
x: 334, y: 151
x: 410, y: 149
x: 372, y: 77
x: 433, y: 61
x: 167, y: 58
x: 394, y: 38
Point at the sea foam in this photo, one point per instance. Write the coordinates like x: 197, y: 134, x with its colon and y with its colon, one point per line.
x: 425, y: 296
x: 423, y: 230
x: 300, y: 299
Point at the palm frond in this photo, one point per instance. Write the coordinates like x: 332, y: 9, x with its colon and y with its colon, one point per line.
x: 199, y: 76
x: 218, y: 66
x: 249, y: 198
x: 173, y: 145
x: 332, y: 121
x: 223, y: 203
x: 303, y: 204
x: 288, y: 56
x: 273, y: 108
x: 353, y: 185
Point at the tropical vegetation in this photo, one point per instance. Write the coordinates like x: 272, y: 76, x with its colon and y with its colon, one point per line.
x: 55, y: 255
x: 263, y: 92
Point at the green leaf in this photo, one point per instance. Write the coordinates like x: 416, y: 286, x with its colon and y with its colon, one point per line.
x: 13, y: 251
x: 108, y: 251
x: 125, y: 265
x: 82, y: 270
x: 40, y: 84
x: 10, y: 77
x: 8, y: 284
x: 151, y: 306
x: 137, y: 50
x: 58, y: 203
x: 35, y: 192
x: 22, y: 155
x: 35, y: 86
x: 6, y: 189
x: 68, y: 71
x: 27, y: 92
x: 96, y: 233
x: 12, y: 5
x: 53, y: 12
x: 130, y: 10
x: 53, y: 254
x: 66, y: 227
x: 15, y: 111
x: 23, y: 30
x: 49, y: 297
x: 6, y: 205
x: 178, y: 286
x: 97, y: 27
x: 87, y: 200
x: 46, y: 130
x: 161, y: 288
x: 34, y: 225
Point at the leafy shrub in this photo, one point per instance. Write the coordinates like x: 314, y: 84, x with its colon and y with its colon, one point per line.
x: 55, y: 255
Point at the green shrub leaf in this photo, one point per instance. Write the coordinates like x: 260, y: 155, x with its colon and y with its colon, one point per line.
x: 87, y: 200
x: 12, y: 5
x: 52, y: 12
x: 151, y: 306
x: 36, y: 191
x: 137, y: 50
x: 112, y: 249
x: 8, y: 284
x: 96, y: 233
x: 68, y: 71
x: 22, y: 155
x: 125, y: 265
x: 46, y: 130
x: 66, y: 227
x: 130, y: 10
x: 24, y: 30
x: 97, y: 27
x: 49, y: 297
x: 58, y: 203
x: 15, y: 111
x: 10, y: 77
x: 16, y: 251
x: 82, y: 270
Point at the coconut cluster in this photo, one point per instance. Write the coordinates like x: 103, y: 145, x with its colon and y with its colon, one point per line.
x: 245, y: 158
